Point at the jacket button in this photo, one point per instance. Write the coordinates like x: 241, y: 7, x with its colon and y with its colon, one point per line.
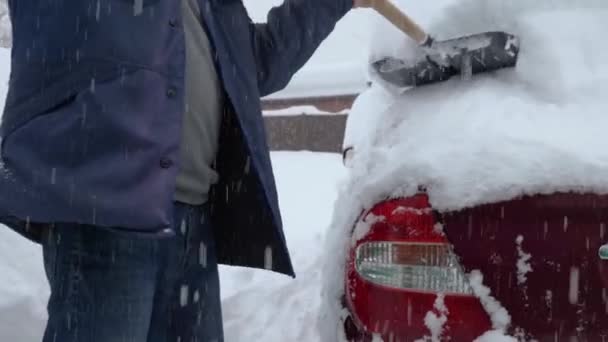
x: 171, y: 92
x: 173, y: 23
x: 165, y: 163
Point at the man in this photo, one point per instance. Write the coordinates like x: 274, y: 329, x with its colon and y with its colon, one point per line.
x: 133, y: 150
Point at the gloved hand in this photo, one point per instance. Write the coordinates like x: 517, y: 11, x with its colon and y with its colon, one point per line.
x: 363, y: 3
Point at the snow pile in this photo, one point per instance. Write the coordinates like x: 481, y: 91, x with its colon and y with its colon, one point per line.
x: 390, y: 41
x: 23, y: 286
x: 264, y: 306
x: 534, y: 129
x: 5, y: 70
x: 495, y: 336
x: 301, y: 110
x: 23, y: 289
x: 363, y: 116
x: 6, y: 37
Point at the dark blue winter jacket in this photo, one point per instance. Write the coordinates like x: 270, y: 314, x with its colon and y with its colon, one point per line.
x: 92, y: 122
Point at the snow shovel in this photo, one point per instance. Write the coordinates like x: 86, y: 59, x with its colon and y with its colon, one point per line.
x: 440, y: 60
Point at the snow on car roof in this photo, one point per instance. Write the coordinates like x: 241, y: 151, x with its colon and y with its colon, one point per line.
x: 538, y: 128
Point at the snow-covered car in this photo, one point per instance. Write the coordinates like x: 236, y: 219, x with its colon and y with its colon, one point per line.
x: 477, y: 210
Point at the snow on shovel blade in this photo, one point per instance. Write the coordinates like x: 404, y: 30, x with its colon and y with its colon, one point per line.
x: 463, y: 56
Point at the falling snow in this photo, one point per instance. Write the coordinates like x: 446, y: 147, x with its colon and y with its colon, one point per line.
x: 138, y: 7
x: 573, y: 291
x: 268, y: 258
x: 183, y: 227
x: 202, y: 255
x: 183, y: 295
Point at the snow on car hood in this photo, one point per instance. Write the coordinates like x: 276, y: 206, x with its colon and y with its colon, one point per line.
x: 535, y: 129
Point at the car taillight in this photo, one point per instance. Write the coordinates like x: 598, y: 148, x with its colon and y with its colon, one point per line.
x: 399, y: 263
x: 414, y: 266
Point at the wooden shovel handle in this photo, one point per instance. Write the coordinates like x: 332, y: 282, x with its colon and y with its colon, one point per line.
x: 400, y: 19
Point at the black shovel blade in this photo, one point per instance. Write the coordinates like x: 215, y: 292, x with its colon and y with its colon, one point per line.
x: 463, y: 56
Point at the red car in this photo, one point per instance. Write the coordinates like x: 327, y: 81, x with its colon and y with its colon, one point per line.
x: 396, y: 271
x: 507, y: 230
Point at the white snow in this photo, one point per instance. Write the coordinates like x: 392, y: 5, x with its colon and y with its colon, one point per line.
x: 533, y: 129
x: 5, y: 70
x: 183, y: 295
x: 523, y: 261
x: 5, y: 25
x: 258, y: 305
x: 23, y: 289
x: 436, y: 320
x: 363, y: 116
x: 495, y: 336
x: 301, y: 110
x: 363, y: 226
x: 499, y: 316
x: 263, y: 306
x: 202, y: 255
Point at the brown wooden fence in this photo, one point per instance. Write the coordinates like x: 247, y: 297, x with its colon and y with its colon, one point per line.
x: 319, y: 133
x: 311, y: 132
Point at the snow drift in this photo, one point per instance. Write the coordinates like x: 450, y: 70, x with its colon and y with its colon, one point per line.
x: 535, y: 129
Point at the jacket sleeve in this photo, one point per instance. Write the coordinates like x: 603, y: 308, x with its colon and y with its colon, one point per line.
x: 290, y: 36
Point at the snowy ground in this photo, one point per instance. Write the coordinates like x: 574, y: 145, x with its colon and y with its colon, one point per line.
x: 258, y: 305
x: 262, y: 306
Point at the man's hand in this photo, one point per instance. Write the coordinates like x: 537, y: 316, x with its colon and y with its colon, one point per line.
x: 363, y: 3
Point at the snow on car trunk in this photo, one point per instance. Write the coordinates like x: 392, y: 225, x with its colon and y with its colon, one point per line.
x: 535, y: 129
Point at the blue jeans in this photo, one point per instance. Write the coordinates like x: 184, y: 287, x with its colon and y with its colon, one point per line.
x: 109, y: 286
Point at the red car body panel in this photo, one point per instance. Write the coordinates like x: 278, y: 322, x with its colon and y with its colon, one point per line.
x: 563, y: 297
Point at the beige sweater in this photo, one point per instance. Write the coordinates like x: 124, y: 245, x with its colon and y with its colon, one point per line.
x: 201, y: 123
